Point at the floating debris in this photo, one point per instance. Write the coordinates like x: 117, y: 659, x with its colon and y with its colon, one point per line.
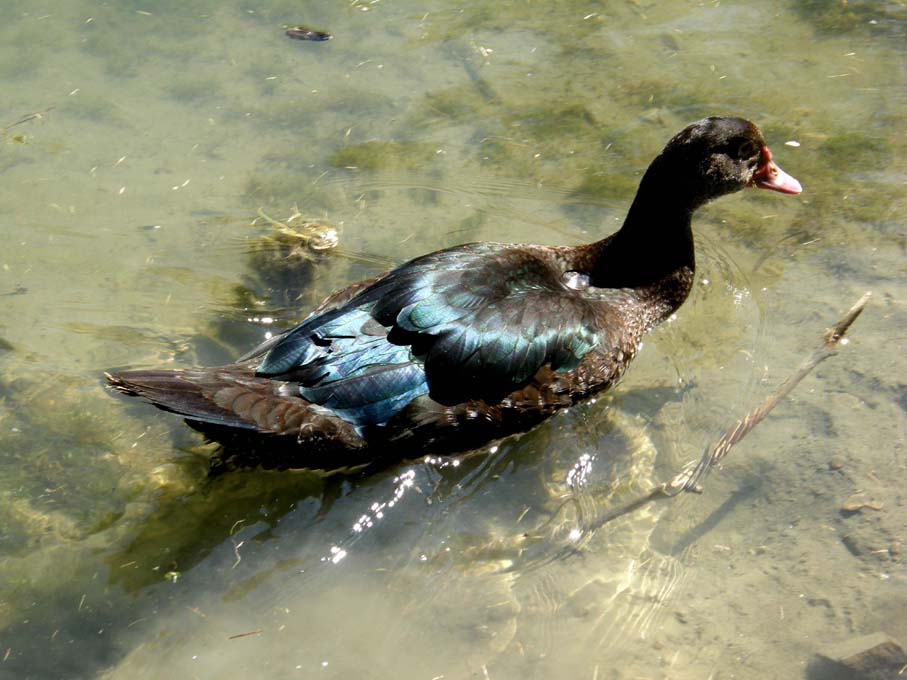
x: 21, y: 139
x: 306, y: 33
x: 284, y: 254
x: 301, y: 233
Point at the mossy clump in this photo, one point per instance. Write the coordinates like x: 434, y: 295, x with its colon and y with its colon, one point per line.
x: 829, y: 16
x: 283, y: 258
x: 844, y: 16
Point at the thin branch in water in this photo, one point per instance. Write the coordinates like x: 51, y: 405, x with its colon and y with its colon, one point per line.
x: 242, y: 635
x: 37, y: 115
x: 691, y: 476
x: 826, y: 348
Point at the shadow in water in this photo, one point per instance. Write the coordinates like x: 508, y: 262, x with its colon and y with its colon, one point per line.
x: 825, y: 669
x: 186, y: 528
x: 248, y: 534
x: 749, y: 487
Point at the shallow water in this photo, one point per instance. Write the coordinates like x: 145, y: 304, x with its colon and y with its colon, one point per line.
x: 128, y: 203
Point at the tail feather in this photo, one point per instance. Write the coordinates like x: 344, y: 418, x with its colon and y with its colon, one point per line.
x: 176, y: 392
x: 233, y: 397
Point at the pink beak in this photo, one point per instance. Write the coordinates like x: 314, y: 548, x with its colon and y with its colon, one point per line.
x: 770, y: 176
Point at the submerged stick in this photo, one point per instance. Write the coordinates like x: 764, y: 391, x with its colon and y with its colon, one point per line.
x: 689, y: 479
x: 32, y: 116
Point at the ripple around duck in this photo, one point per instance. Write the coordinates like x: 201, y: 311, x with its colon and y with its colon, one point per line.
x: 487, y: 532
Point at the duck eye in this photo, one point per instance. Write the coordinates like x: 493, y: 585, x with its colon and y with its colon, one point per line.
x: 747, y: 149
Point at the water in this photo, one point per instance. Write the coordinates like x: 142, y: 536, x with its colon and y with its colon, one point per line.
x: 126, y: 207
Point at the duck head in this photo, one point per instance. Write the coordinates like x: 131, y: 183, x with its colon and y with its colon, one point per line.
x: 721, y: 155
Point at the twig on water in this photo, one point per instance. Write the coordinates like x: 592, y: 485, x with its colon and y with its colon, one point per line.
x: 25, y: 119
x: 242, y: 635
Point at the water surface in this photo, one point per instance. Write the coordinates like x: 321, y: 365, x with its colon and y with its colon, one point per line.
x: 127, y: 207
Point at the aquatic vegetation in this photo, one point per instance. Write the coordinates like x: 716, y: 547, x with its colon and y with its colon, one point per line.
x: 277, y: 182
x: 833, y: 16
x: 572, y: 121
x: 282, y: 258
x: 844, y: 16
x: 305, y: 236
x: 42, y: 432
x: 647, y: 93
x: 855, y: 150
x: 384, y: 156
x: 547, y: 20
x: 305, y: 115
x: 184, y: 528
x: 458, y: 101
x: 604, y: 182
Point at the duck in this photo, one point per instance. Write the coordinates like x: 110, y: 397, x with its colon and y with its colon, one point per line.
x: 470, y: 344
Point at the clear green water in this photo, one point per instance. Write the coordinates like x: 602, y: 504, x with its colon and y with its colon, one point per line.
x: 126, y: 213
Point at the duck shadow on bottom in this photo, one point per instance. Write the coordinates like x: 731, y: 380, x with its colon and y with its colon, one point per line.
x: 521, y: 470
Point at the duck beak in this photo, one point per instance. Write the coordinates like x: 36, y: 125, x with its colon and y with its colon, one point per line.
x: 770, y: 176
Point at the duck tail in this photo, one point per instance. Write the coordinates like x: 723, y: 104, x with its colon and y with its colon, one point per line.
x: 233, y: 397
x: 189, y: 393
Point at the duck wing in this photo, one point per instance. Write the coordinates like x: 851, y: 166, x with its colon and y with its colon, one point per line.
x: 472, y: 322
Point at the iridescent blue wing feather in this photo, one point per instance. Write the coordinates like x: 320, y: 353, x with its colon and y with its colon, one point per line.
x: 473, y: 322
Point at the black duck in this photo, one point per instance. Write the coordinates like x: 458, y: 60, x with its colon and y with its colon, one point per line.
x: 465, y: 345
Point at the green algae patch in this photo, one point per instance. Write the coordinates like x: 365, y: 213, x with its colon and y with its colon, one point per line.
x: 605, y: 183
x: 383, y: 156
x: 461, y: 101
x: 855, y: 150
x: 571, y: 121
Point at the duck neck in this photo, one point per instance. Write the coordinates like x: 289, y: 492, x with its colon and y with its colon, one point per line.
x: 655, y: 243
